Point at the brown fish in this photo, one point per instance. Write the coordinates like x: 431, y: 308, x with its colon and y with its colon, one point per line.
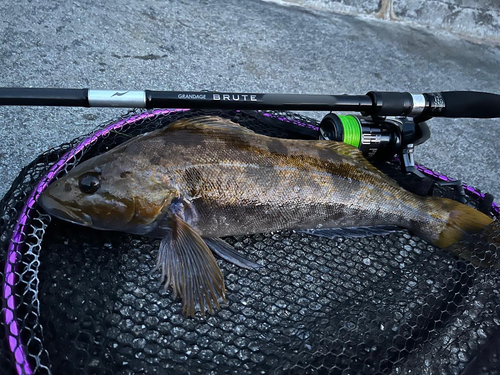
x: 207, y: 177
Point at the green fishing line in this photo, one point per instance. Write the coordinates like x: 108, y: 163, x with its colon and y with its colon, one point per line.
x: 352, y: 130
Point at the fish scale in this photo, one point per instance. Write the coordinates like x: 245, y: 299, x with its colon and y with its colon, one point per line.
x: 257, y: 188
x: 207, y: 177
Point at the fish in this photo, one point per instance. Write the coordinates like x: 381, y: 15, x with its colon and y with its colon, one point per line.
x: 206, y: 177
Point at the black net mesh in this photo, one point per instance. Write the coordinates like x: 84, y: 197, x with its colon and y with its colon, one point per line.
x: 76, y: 300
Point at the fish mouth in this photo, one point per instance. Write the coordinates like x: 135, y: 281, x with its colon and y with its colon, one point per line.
x: 72, y: 214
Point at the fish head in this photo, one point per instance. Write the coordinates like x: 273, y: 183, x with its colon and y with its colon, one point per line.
x: 112, y: 191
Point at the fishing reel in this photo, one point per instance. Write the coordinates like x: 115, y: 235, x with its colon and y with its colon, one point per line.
x: 378, y: 138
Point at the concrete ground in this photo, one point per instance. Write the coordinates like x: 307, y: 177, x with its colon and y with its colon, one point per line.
x: 234, y: 45
x: 472, y: 19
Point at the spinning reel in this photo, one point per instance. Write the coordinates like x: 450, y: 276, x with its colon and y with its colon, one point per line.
x: 378, y: 138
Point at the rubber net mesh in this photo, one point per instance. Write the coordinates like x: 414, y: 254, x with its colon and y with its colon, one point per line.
x: 76, y: 300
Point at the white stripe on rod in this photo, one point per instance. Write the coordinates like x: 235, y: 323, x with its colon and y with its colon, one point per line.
x: 113, y: 98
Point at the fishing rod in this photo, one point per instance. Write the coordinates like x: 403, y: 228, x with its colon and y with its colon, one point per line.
x: 375, y: 103
x: 392, y: 123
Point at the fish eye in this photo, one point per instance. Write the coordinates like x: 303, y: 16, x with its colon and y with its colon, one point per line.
x: 89, y: 182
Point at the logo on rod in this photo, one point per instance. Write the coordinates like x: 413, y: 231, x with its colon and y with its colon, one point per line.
x: 235, y: 97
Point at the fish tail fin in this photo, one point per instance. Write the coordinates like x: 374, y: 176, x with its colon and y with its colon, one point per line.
x: 482, y: 249
x: 462, y: 222
x: 467, y: 233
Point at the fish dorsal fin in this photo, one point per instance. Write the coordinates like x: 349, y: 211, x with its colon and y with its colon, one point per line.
x: 218, y: 124
x: 355, y: 154
x: 207, y: 123
x: 346, y: 150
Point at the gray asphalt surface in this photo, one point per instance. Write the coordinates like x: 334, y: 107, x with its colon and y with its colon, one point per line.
x: 234, y: 45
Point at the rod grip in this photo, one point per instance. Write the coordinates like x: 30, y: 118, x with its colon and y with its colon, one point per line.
x: 464, y: 104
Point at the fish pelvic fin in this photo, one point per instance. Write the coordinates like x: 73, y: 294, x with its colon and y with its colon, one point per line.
x: 229, y: 253
x: 462, y: 222
x: 189, y: 267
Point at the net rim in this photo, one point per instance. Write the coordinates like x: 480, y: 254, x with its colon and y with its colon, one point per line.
x: 16, y: 347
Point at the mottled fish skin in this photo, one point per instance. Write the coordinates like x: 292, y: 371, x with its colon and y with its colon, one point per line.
x: 209, y: 177
x: 240, y: 182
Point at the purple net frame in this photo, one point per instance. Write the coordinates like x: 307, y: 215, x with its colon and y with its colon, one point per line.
x: 471, y: 190
x: 16, y: 347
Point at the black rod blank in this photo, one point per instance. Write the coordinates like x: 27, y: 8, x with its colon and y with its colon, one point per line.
x: 180, y: 99
x: 216, y: 100
x: 444, y: 104
x: 43, y: 97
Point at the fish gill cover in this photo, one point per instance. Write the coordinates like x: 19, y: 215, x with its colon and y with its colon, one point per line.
x: 81, y: 301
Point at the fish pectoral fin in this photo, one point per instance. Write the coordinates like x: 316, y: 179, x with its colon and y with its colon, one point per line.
x: 189, y: 266
x: 229, y: 253
x: 353, y: 232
